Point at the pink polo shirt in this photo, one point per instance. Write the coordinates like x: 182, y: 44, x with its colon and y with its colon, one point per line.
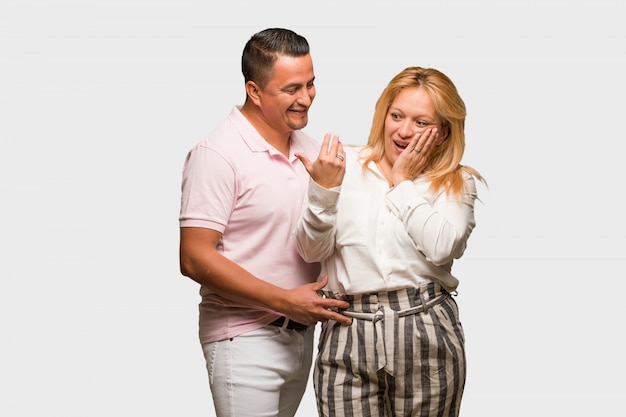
x: 234, y: 182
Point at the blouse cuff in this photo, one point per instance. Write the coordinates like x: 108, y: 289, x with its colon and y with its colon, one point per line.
x: 326, y: 198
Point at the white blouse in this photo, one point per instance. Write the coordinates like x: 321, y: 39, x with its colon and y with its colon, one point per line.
x: 371, y: 238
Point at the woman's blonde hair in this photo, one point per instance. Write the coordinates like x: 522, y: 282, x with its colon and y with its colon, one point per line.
x: 444, y: 168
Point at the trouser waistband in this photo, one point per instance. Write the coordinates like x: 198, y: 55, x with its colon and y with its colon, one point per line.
x: 404, y: 301
x: 385, y: 309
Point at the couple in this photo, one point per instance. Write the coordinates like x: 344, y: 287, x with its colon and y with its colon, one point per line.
x: 281, y: 233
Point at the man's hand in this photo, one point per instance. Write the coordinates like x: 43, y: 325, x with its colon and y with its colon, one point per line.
x: 306, y: 306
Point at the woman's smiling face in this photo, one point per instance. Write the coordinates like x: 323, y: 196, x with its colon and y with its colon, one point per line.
x: 411, y: 112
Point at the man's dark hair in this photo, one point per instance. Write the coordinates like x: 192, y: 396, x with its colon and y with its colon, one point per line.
x: 261, y: 51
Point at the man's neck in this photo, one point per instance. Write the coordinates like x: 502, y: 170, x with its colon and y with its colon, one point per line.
x: 279, y: 140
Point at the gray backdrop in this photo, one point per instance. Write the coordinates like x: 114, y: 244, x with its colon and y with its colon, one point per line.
x: 101, y: 100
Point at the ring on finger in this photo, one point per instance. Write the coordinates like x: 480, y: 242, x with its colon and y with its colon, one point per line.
x: 416, y: 149
x: 340, y: 156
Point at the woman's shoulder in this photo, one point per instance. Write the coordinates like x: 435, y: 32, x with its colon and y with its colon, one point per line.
x: 353, y: 148
x: 355, y: 152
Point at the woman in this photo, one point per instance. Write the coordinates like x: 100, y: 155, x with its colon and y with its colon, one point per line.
x: 386, y: 220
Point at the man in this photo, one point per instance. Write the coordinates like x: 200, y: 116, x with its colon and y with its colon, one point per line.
x: 242, y: 193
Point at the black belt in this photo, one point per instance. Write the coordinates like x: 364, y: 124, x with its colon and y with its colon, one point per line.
x: 291, y: 325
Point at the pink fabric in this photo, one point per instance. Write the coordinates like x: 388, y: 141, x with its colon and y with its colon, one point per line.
x: 236, y: 183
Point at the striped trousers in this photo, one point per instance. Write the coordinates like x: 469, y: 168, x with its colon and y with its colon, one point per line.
x: 403, y: 355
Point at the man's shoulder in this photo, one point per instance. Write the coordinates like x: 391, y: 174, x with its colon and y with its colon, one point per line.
x: 224, y: 135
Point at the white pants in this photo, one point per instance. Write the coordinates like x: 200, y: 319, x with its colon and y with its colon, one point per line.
x: 262, y: 373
